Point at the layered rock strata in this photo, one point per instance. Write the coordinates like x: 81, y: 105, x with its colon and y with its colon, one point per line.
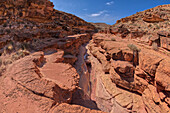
x: 118, y: 85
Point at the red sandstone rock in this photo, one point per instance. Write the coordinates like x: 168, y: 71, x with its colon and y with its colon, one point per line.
x: 149, y: 62
x: 162, y: 76
x: 123, y: 68
x: 122, y: 75
x: 152, y: 101
x: 31, y: 90
x: 66, y: 108
x: 153, y: 19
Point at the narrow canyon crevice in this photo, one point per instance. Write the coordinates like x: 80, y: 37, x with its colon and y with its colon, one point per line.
x: 83, y: 95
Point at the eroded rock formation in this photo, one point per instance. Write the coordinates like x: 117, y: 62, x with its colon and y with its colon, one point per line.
x: 38, y: 50
x: 121, y: 85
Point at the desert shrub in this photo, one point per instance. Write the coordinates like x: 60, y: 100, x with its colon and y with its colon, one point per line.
x: 113, y: 39
x: 133, y: 47
x: 10, y: 47
x: 155, y: 46
x: 19, y: 54
x: 25, y: 46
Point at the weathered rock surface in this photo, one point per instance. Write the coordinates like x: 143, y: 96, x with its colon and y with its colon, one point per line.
x: 162, y: 76
x: 148, y: 26
x: 31, y: 81
x: 128, y: 86
x: 46, y: 75
x: 37, y: 23
x: 24, y: 85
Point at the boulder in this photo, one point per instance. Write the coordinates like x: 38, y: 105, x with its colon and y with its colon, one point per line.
x: 162, y: 76
x: 149, y: 62
x: 124, y: 69
x: 153, y: 19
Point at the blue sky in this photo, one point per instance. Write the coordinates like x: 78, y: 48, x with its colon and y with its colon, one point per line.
x: 107, y: 11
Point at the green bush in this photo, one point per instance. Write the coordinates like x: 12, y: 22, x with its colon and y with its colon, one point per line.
x: 133, y: 47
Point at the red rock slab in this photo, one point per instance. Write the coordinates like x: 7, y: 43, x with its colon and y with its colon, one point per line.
x: 55, y: 57
x: 162, y: 76
x: 62, y: 74
x: 123, y: 67
x: 23, y: 88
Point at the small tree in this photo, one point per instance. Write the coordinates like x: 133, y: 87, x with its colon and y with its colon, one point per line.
x: 133, y: 47
x: 135, y: 53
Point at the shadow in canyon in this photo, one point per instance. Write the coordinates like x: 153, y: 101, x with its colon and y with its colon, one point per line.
x: 78, y: 99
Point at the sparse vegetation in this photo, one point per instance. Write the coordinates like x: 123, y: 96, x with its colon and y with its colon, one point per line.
x: 133, y: 47
x: 10, y: 47
x: 19, y: 54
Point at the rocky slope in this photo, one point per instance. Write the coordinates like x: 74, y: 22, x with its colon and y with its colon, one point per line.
x: 152, y: 25
x: 102, y: 27
x: 30, y: 20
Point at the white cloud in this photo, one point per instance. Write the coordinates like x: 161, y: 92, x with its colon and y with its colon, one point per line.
x: 85, y: 9
x: 110, y: 3
x: 98, y: 14
x: 104, y: 18
x: 106, y: 15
